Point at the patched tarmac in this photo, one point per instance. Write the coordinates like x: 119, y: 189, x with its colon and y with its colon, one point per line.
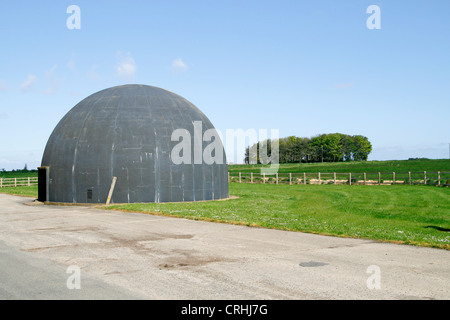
x: 132, y: 255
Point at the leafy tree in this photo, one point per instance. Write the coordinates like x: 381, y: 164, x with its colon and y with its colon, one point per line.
x: 348, y: 146
x: 330, y: 147
x: 362, y: 148
x: 333, y: 147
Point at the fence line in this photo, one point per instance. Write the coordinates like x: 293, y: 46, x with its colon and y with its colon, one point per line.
x: 17, y: 182
x: 437, y: 178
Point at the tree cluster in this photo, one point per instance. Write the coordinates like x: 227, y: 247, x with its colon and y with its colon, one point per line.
x: 333, y: 147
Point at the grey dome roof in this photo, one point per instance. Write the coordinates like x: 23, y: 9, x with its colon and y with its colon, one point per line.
x: 125, y: 132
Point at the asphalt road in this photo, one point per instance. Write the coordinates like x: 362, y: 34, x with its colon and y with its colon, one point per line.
x: 133, y: 256
x: 23, y: 276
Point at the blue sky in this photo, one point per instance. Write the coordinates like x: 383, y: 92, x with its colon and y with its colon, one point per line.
x: 303, y: 67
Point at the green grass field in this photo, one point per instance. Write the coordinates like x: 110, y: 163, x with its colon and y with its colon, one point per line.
x: 416, y: 215
x: 18, y: 174
x: 31, y: 191
x: 354, y: 166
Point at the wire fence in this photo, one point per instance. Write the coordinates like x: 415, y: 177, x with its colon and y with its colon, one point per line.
x: 437, y: 178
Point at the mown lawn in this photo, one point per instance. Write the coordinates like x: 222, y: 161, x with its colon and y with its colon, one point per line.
x: 25, y: 191
x: 418, y: 215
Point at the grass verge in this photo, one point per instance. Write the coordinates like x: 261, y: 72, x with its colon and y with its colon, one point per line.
x: 416, y: 215
x: 25, y: 191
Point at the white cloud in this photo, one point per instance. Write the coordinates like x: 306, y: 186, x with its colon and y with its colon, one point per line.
x: 3, y: 86
x: 71, y: 64
x: 75, y: 93
x: 178, y: 66
x: 28, y: 83
x: 126, y: 67
x: 54, y: 82
x: 344, y: 85
x: 4, y: 116
x: 92, y: 73
x: 50, y: 73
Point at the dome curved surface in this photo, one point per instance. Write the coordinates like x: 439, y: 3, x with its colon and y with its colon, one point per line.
x: 125, y: 132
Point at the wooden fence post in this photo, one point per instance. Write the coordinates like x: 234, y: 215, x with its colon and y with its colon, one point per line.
x: 1, y: 182
x: 15, y: 182
x: 31, y: 180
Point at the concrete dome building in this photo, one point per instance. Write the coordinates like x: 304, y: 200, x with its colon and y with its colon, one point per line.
x: 150, y: 139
